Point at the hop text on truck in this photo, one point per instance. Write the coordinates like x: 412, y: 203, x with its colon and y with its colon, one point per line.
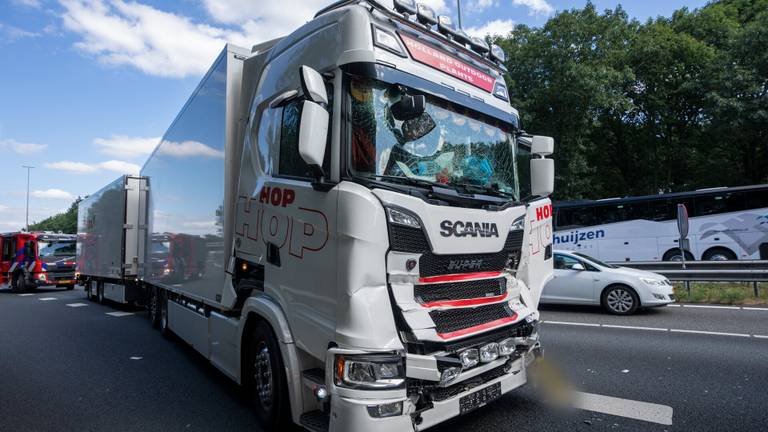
x: 368, y: 261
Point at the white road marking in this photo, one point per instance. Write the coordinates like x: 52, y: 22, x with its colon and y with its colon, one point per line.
x: 709, y: 333
x: 645, y: 411
x: 136, y: 358
x: 76, y: 304
x: 119, y: 314
x: 762, y: 309
x: 674, y: 305
x: 47, y: 298
x: 572, y: 323
x: 760, y: 336
x: 26, y: 294
x: 712, y: 307
x: 635, y: 327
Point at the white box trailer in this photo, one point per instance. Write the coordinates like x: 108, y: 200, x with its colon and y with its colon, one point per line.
x: 111, y: 240
x: 336, y: 222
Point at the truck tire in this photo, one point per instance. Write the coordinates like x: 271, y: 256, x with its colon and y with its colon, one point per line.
x: 265, y: 379
x: 153, y: 307
x: 70, y: 287
x: 20, y: 283
x: 15, y: 283
x: 163, y: 316
x: 100, y: 293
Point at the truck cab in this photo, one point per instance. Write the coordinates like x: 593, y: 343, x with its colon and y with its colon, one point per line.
x: 394, y: 256
x: 32, y: 260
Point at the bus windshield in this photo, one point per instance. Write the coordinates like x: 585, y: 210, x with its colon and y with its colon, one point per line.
x: 447, y: 145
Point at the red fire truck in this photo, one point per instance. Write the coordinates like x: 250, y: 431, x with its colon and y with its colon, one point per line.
x: 32, y: 260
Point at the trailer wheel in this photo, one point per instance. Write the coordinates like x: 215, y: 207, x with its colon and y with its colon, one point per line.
x: 154, y: 307
x: 163, y: 318
x: 100, y: 292
x: 265, y: 378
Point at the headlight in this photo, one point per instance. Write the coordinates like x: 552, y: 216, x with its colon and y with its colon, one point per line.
x: 469, y: 358
x: 518, y: 223
x: 369, y: 371
x: 402, y: 217
x: 387, y: 40
x: 653, y: 282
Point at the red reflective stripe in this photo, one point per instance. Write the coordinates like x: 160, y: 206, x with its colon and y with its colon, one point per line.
x: 478, y: 328
x: 459, y: 277
x: 466, y: 302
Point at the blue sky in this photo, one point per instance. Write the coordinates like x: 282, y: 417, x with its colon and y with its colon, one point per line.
x: 88, y: 87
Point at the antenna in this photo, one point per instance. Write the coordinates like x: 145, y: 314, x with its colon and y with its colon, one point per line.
x: 458, y: 7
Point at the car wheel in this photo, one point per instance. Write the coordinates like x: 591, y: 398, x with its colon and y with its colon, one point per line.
x: 719, y: 254
x: 267, y: 384
x: 620, y: 300
x: 154, y: 307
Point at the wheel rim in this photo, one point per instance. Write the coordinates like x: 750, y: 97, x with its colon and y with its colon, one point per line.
x: 164, y: 316
x: 676, y: 258
x: 262, y: 375
x: 153, y: 306
x: 620, y: 300
x: 719, y: 257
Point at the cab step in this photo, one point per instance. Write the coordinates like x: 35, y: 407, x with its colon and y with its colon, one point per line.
x: 316, y: 421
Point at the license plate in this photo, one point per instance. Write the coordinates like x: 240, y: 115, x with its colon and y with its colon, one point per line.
x: 479, y: 398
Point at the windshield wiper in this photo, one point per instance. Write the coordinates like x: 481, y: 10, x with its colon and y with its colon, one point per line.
x: 488, y: 190
x: 411, y: 181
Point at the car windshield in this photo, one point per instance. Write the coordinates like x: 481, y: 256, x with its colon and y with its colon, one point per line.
x: 446, y: 145
x: 51, y: 250
x: 596, y: 261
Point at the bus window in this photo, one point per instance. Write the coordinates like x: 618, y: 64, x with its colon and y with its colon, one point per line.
x: 576, y: 217
x: 716, y: 204
x: 611, y: 213
x: 666, y: 209
x: 638, y: 210
x: 757, y: 199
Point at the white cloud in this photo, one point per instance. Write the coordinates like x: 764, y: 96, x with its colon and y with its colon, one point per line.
x: 120, y: 167
x: 481, y: 5
x: 494, y: 28
x: 84, y: 168
x: 29, y: 3
x: 535, y: 7
x: 52, y: 194
x: 125, y: 146
x: 21, y: 148
x: 188, y: 149
x: 12, y: 33
x: 3, y: 208
x: 74, y: 167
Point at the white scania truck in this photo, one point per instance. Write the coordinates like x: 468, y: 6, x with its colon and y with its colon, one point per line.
x: 335, y: 221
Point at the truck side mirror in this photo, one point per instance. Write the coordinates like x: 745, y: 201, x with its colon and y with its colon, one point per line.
x: 313, y: 128
x: 542, y: 169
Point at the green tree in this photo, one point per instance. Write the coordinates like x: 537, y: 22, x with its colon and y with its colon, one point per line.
x: 65, y: 222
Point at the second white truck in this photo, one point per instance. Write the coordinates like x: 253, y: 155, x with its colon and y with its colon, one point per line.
x: 336, y: 220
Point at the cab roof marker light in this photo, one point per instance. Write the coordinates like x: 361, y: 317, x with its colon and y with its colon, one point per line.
x: 388, y: 41
x: 445, y: 26
x: 405, y: 7
x: 480, y: 45
x: 425, y: 15
x: 498, y: 54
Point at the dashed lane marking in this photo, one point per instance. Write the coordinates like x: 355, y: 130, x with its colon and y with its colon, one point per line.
x: 657, y: 329
x: 119, y: 314
x: 645, y: 411
x: 26, y: 294
x: 711, y: 307
x: 746, y: 308
x: 76, y: 305
x: 47, y: 298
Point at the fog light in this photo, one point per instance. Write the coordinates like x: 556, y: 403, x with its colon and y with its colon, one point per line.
x: 660, y: 296
x: 469, y: 358
x: 386, y: 410
x: 507, y: 346
x: 449, y: 374
x: 489, y: 353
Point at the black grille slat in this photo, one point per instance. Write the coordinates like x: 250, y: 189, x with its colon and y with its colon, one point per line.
x: 407, y: 239
x: 460, y: 290
x: 451, y: 320
x: 435, y: 265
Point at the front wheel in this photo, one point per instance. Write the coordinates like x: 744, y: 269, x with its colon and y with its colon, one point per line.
x: 266, y: 380
x: 620, y: 300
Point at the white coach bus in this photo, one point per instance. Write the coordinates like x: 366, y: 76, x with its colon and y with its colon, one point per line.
x: 725, y: 224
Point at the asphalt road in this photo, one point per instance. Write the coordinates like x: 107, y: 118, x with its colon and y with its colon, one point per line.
x: 65, y: 367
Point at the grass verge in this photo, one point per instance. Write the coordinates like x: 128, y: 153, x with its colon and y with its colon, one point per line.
x: 729, y: 293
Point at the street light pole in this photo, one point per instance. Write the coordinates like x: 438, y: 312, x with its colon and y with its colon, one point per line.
x: 28, y: 168
x: 458, y: 7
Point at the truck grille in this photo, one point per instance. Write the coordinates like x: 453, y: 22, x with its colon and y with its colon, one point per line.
x: 407, y: 239
x: 451, y: 320
x: 460, y: 290
x: 435, y: 265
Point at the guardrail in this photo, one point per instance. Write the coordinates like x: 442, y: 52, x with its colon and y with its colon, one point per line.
x: 706, y: 271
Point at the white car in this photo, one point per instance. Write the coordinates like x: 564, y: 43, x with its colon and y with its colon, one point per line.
x: 581, y: 279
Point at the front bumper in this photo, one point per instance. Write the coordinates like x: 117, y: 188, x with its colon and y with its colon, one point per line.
x: 348, y: 414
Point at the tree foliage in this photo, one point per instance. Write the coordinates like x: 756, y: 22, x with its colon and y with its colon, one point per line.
x: 636, y: 108
x: 65, y: 222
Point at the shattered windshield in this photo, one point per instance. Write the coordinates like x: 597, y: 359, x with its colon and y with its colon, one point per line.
x: 50, y: 251
x: 445, y: 144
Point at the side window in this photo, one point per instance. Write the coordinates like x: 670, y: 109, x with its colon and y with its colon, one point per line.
x: 291, y: 164
x: 563, y: 262
x: 714, y: 204
x: 569, y: 218
x: 757, y: 199
x: 6, y: 249
x: 611, y: 213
